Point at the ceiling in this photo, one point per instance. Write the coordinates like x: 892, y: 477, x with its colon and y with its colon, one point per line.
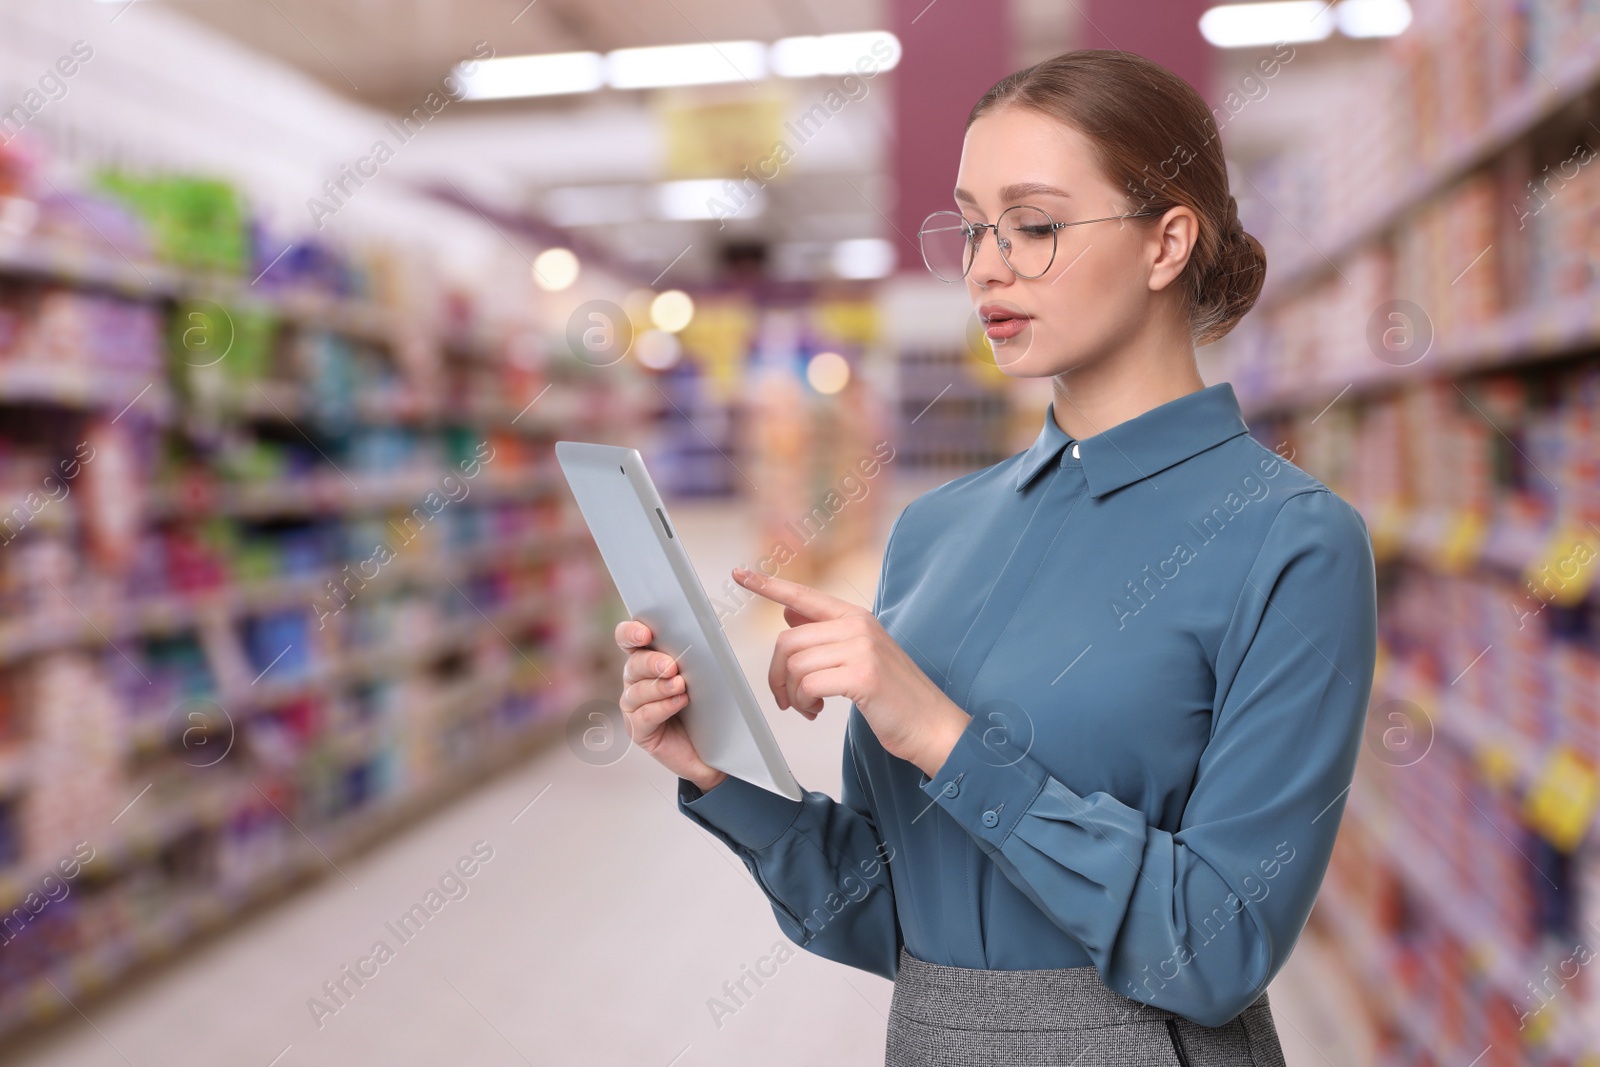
x: 387, y: 53
x: 569, y: 157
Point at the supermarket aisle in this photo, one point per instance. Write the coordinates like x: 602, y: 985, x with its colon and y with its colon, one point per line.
x: 595, y: 927
x: 596, y: 932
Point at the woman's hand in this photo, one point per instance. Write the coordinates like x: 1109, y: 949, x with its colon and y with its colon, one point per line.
x: 834, y: 648
x: 653, y: 692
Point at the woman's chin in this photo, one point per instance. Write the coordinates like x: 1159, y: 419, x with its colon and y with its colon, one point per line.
x: 1019, y: 359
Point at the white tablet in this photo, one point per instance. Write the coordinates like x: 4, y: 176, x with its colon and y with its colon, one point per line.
x: 660, y: 588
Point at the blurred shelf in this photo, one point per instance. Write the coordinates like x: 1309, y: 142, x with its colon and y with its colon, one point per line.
x: 1513, y: 119
x: 87, y: 623
x: 211, y: 910
x: 1549, y: 329
x: 330, y: 491
x: 83, y: 387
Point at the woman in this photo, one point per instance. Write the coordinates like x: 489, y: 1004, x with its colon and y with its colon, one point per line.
x: 1129, y: 665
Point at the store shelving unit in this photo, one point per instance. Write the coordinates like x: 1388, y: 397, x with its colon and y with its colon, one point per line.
x: 209, y: 676
x: 1462, y: 183
x: 953, y: 416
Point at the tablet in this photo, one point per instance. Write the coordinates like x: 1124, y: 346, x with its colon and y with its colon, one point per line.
x: 660, y: 588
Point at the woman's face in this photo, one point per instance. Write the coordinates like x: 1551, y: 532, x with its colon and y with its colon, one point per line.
x: 1106, y: 277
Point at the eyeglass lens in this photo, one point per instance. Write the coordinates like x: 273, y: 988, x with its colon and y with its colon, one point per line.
x: 1027, y: 242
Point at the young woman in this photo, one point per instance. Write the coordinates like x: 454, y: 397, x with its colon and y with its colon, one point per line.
x: 1129, y: 666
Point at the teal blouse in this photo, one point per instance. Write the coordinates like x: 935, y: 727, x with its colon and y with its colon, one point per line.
x: 1165, y: 634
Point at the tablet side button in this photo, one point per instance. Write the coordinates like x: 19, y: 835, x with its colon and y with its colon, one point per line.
x: 664, y: 525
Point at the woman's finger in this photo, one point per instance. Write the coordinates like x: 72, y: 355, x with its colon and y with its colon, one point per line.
x: 648, y: 664
x: 812, y: 603
x: 805, y: 663
x: 647, y: 689
x: 631, y: 634
x: 646, y: 719
x: 797, y: 639
x: 828, y: 682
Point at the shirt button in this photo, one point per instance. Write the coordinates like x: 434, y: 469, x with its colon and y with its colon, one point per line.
x: 990, y: 818
x: 951, y: 789
x: 1074, y: 450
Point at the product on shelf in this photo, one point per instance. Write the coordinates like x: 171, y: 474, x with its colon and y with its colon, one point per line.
x: 280, y: 564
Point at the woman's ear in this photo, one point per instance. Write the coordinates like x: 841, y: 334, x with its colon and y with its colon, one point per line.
x: 1172, y: 241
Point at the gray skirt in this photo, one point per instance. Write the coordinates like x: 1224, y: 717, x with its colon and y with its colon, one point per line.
x: 966, y: 1017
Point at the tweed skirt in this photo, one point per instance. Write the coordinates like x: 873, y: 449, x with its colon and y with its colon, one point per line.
x: 966, y: 1017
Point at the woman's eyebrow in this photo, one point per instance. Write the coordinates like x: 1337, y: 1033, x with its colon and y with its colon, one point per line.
x: 1015, y: 192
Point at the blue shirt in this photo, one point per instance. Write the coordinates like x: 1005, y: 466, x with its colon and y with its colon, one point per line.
x: 1165, y: 634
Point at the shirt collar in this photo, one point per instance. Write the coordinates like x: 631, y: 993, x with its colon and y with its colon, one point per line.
x: 1144, y: 445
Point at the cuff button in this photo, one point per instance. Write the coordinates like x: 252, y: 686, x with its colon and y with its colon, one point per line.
x: 950, y: 789
x: 990, y: 819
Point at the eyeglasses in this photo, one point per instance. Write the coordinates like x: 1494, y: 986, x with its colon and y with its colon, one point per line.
x: 1026, y: 237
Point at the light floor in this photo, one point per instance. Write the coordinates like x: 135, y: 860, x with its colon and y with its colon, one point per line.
x: 597, y: 934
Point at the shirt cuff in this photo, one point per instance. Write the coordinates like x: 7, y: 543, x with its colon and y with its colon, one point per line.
x: 752, y: 817
x: 985, y: 788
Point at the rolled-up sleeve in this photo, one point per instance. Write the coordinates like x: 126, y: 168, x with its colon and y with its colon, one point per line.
x: 1200, y: 920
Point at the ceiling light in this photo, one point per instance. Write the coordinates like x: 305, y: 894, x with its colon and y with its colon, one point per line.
x: 593, y: 205
x: 828, y: 372
x: 1372, y: 18
x: 540, y: 75
x: 672, y: 310
x: 835, y: 53
x: 686, y: 64
x: 708, y: 198
x: 555, y: 269
x: 1248, y: 25
x: 657, y: 349
x: 867, y: 257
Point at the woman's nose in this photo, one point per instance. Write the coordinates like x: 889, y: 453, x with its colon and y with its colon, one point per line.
x: 988, y: 265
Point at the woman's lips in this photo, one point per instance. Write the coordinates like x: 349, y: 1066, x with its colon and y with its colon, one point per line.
x: 1003, y: 329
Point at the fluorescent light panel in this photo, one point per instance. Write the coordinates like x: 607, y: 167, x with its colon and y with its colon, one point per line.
x: 678, y: 64
x: 1245, y: 25
x: 863, y: 257
x: 686, y: 64
x: 833, y: 53
x: 1256, y: 24
x: 1372, y: 18
x: 542, y: 75
x: 707, y: 198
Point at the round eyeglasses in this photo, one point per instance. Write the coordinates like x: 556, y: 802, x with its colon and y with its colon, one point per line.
x: 1026, y: 236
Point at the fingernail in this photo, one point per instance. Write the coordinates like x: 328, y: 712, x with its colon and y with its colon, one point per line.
x: 661, y: 663
x: 638, y: 633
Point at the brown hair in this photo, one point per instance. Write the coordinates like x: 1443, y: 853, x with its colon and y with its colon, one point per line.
x: 1144, y: 122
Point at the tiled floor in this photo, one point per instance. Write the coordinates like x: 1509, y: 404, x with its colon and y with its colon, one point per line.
x: 598, y: 933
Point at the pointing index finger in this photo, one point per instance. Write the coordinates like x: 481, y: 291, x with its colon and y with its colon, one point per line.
x: 812, y: 603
